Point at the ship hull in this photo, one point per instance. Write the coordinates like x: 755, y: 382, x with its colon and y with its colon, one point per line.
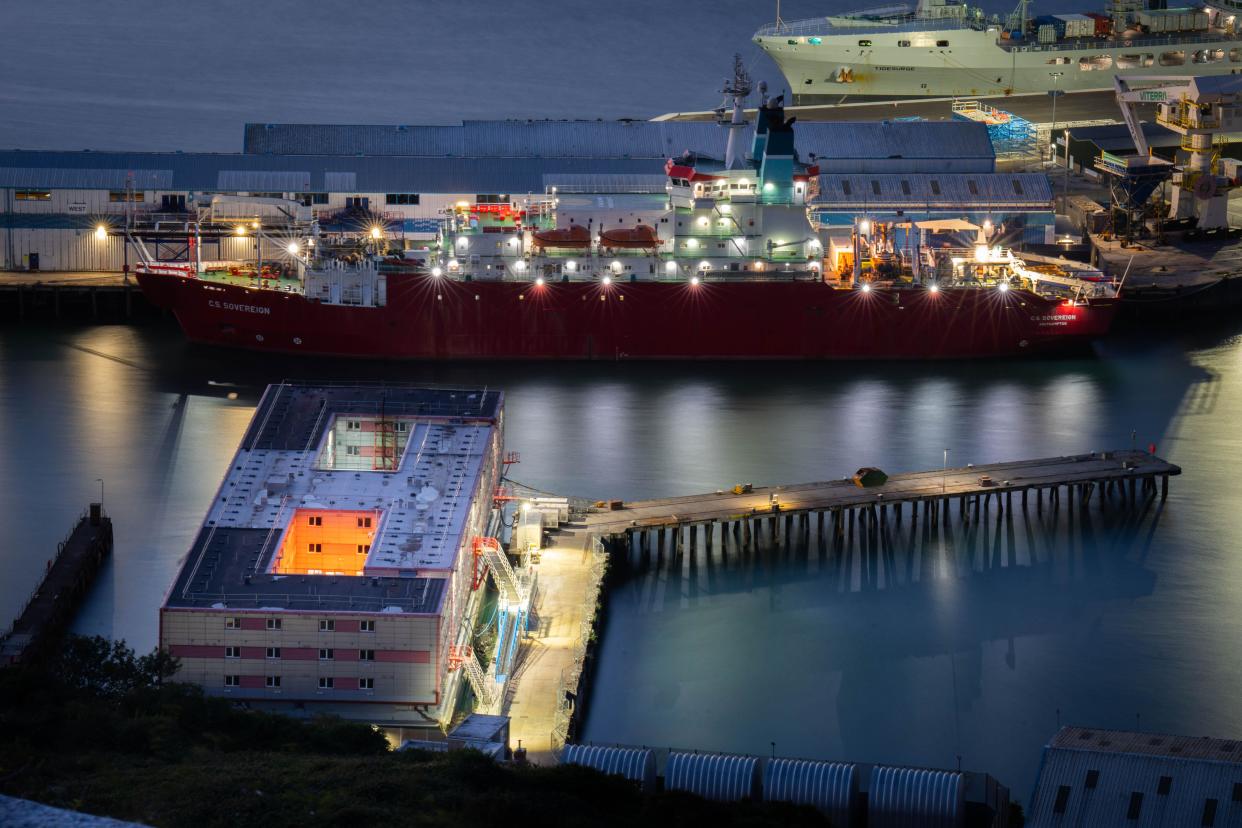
x: 429, y: 318
x: 975, y: 65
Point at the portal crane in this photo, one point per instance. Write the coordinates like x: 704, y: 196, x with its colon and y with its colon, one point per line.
x: 1195, y: 108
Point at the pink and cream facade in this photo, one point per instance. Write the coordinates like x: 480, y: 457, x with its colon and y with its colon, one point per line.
x: 335, y: 570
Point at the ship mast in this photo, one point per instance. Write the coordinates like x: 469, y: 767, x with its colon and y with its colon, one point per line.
x: 738, y: 88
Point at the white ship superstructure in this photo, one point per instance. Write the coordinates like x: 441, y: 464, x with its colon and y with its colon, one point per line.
x: 943, y: 49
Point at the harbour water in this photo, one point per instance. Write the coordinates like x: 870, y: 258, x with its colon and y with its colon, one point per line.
x: 975, y: 655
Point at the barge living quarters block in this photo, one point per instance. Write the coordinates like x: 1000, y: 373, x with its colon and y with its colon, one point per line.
x: 333, y: 571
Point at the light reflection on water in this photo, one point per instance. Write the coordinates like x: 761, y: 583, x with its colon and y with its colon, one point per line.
x: 964, y: 652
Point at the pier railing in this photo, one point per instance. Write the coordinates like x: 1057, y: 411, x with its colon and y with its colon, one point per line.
x: 60, y: 550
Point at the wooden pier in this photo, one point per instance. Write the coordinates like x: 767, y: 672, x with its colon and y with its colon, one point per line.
x: 840, y: 507
x: 52, y: 606
x: 72, y: 297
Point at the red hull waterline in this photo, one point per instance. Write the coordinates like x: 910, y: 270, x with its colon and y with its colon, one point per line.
x: 437, y: 318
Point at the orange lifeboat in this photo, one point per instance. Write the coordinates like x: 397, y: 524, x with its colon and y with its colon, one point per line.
x: 642, y: 235
x: 575, y: 236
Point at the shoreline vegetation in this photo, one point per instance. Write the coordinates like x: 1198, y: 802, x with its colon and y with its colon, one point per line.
x: 102, y: 730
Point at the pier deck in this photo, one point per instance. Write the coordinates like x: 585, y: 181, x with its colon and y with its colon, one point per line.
x: 1122, y: 467
x: 69, y: 576
x: 77, y: 296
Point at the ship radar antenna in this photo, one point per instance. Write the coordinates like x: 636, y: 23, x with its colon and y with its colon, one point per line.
x: 738, y: 88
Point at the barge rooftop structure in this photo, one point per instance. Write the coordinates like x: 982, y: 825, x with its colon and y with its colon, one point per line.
x: 336, y: 568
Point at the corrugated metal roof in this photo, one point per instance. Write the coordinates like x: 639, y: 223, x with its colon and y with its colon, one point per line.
x: 632, y: 763
x: 58, y: 177
x: 725, y: 778
x: 371, y: 174
x: 264, y: 181
x: 614, y: 139
x: 1114, y: 137
x: 831, y: 787
x: 914, y: 190
x: 1104, y: 778
x: 899, y: 797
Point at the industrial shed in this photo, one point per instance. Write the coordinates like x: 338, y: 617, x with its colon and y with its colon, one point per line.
x: 841, y: 146
x: 1122, y: 778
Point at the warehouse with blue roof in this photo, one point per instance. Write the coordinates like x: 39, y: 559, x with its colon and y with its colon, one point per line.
x: 66, y: 210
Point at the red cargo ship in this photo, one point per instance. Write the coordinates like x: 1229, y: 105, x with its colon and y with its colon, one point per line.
x: 734, y: 271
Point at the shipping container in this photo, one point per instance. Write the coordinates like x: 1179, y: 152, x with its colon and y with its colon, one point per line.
x: 1103, y: 24
x: 1077, y: 25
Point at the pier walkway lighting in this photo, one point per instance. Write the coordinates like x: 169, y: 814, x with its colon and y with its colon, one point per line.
x: 437, y: 272
x: 101, y: 232
x: 933, y: 288
x: 538, y: 281
x: 607, y: 280
x: 694, y: 280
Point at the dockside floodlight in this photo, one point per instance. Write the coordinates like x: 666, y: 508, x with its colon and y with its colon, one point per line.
x: 101, y: 232
x: 607, y: 280
x: 292, y: 248
x: 694, y: 280
x: 376, y: 232
x: 436, y: 271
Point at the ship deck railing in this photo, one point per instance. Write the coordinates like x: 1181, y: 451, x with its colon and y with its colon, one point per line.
x: 1133, y: 43
x: 873, y: 23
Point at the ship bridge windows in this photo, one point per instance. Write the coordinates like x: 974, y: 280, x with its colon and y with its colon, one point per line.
x: 1208, y: 56
x: 1058, y: 61
x: 865, y: 44
x: 1173, y: 58
x: 1136, y: 61
x: 1096, y: 62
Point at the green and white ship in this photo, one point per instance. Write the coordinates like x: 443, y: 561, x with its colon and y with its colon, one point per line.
x: 947, y: 49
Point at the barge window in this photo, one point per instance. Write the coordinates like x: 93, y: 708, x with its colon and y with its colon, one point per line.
x: 314, y: 520
x: 232, y: 681
x: 273, y: 652
x: 401, y: 198
x: 364, y: 522
x: 272, y: 681
x: 366, y: 626
x: 232, y: 623
x: 326, y: 655
x: 327, y: 626
x: 123, y: 195
x: 1162, y: 789
x: 366, y: 655
x: 1136, y: 805
x: 1093, y: 776
x: 273, y: 623
x: 366, y: 684
x: 232, y: 652
x: 32, y: 195
x: 1063, y: 794
x: 325, y: 682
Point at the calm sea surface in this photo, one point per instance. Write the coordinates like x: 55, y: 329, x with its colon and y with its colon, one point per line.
x: 966, y: 649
